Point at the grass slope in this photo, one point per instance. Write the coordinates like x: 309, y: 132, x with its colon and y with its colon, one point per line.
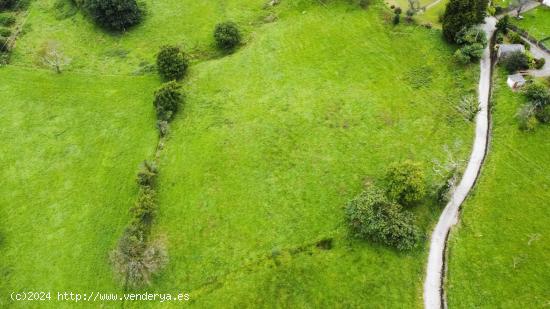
x: 189, y: 23
x: 276, y: 138
x: 536, y: 22
x: 71, y: 148
x: 499, y: 253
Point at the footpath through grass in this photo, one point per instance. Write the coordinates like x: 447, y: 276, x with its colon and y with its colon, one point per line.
x: 276, y: 138
x: 499, y: 252
x: 71, y: 145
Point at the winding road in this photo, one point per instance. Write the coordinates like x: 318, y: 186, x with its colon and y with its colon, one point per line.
x: 434, y: 295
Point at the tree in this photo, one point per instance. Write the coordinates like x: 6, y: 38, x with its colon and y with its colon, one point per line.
x: 52, y: 56
x: 460, y: 14
x: 371, y: 216
x: 167, y: 100
x: 227, y: 35
x: 7, y: 4
x: 537, y: 94
x: 405, y: 182
x: 502, y: 24
x: 516, y: 61
x: 171, y: 63
x: 117, y: 15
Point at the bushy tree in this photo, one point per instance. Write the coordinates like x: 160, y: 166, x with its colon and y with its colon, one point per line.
x: 7, y: 4
x: 145, y: 208
x: 147, y: 174
x: 516, y: 61
x: 171, y: 63
x: 460, y: 14
x: 167, y: 100
x: 471, y: 35
x: 537, y: 94
x: 372, y: 216
x: 115, y: 15
x: 502, y: 24
x: 227, y: 35
x: 405, y: 182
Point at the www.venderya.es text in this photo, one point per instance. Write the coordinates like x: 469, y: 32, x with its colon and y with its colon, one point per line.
x: 67, y: 296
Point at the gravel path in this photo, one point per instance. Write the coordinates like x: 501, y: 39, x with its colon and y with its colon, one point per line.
x: 433, y: 288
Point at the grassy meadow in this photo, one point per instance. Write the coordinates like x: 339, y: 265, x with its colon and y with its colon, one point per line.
x: 71, y: 148
x: 499, y: 252
x: 271, y: 142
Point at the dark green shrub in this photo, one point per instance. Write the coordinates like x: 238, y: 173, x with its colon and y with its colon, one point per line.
x: 5, y: 32
x: 460, y: 14
x: 474, y: 51
x: 539, y: 63
x: 371, y: 216
x: 227, y: 35
x: 147, y: 174
x: 502, y: 24
x: 117, y: 15
x: 171, y: 63
x: 398, y: 11
x: 405, y: 182
x: 515, y: 38
x: 460, y: 57
x: 516, y: 61
x: 167, y: 100
x: 543, y: 114
x: 7, y: 4
x: 471, y: 35
x: 7, y: 20
x: 396, y: 19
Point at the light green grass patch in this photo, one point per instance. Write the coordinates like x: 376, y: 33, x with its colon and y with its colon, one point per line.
x: 71, y: 146
x: 276, y: 138
x: 536, y: 22
x: 499, y: 253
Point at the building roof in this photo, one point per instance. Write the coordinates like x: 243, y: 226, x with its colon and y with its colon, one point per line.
x: 516, y: 78
x: 510, y: 48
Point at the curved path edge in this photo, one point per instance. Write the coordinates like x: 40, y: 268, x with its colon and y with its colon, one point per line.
x: 434, y: 295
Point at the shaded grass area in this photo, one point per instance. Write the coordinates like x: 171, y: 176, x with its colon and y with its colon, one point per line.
x: 71, y: 148
x: 536, y: 22
x: 499, y: 253
x: 276, y: 138
x: 188, y: 23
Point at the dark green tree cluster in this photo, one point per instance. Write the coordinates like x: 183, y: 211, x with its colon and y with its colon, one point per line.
x: 377, y: 215
x: 116, y: 15
x: 462, y: 14
x: 8, y: 4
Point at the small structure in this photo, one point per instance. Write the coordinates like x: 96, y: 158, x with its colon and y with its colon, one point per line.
x: 515, y: 81
x: 505, y: 50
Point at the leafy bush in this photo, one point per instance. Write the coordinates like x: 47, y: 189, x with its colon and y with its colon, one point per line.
x: 227, y: 35
x: 171, y: 63
x: 405, y: 182
x: 135, y: 260
x: 116, y: 15
x: 471, y: 35
x: 145, y: 208
x: 5, y: 32
x: 516, y: 61
x: 371, y: 216
x: 502, y: 24
x: 539, y: 63
x: 7, y: 20
x: 396, y: 19
x: 515, y: 38
x: 7, y: 4
x: 167, y: 99
x: 460, y: 57
x: 461, y: 14
x: 537, y: 94
x: 147, y: 174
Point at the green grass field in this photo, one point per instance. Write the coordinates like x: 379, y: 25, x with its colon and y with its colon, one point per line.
x: 71, y: 148
x: 499, y: 253
x: 272, y: 142
x: 536, y: 22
